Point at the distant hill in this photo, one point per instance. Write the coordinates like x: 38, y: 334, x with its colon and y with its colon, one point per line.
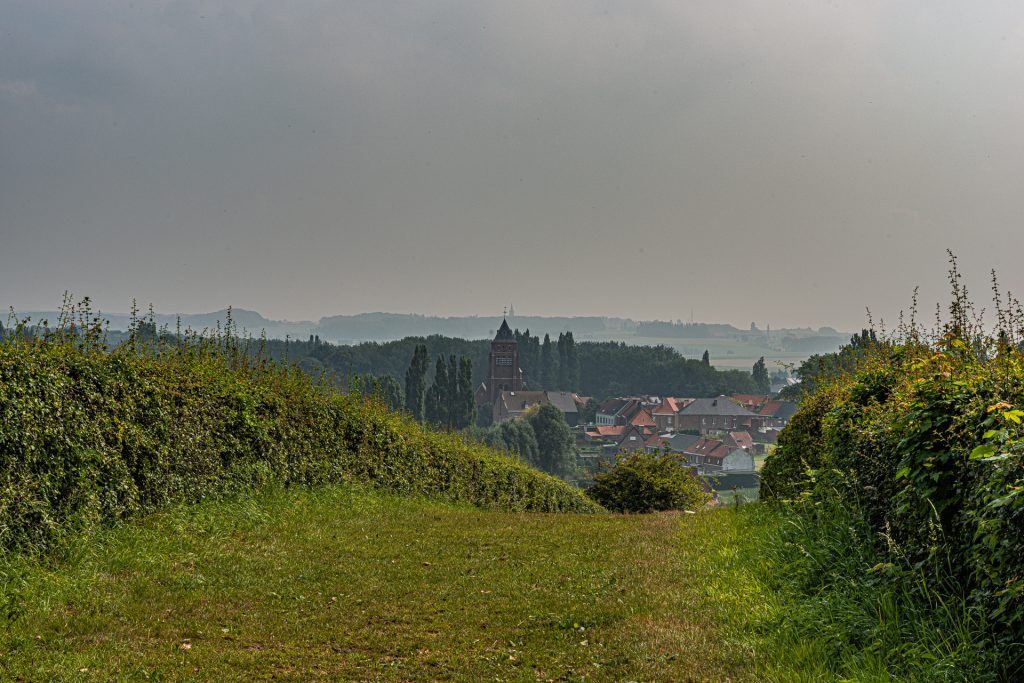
x: 729, y: 345
x: 393, y: 326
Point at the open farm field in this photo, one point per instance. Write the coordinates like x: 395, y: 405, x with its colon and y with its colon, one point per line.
x: 725, y: 353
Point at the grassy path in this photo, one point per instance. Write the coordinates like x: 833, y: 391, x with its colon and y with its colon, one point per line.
x: 345, y: 585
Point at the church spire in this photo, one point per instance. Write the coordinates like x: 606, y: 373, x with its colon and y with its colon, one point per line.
x: 504, y: 332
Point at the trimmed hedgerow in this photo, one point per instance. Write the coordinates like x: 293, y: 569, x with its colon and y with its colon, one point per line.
x: 89, y: 436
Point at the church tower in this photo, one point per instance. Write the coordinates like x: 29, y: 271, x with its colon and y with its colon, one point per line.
x: 504, y: 373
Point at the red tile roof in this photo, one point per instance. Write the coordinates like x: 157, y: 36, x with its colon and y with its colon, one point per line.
x: 742, y: 439
x: 667, y: 407
x: 656, y: 441
x: 750, y: 401
x: 712, y: 450
x: 642, y: 418
x: 771, y: 407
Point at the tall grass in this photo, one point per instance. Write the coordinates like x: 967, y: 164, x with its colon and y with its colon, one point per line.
x: 846, y: 610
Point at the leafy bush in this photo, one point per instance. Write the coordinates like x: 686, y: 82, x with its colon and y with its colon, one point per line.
x: 89, y: 436
x: 647, y: 482
x: 922, y: 440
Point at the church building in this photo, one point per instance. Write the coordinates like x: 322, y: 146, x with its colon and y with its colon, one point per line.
x: 503, y: 371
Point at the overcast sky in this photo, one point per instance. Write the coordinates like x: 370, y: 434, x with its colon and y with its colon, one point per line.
x: 789, y: 163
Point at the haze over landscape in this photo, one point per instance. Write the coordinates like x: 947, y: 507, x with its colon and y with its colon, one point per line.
x: 471, y: 340
x: 788, y: 164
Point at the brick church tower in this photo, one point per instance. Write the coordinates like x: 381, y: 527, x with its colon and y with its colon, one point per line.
x: 504, y: 373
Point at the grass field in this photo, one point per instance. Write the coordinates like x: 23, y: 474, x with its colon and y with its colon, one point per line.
x: 726, y: 353
x: 346, y: 585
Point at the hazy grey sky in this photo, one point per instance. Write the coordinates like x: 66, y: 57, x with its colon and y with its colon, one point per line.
x: 784, y: 162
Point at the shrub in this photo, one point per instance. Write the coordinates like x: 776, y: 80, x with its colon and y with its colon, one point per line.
x: 647, y: 482
x: 89, y: 436
x: 922, y: 441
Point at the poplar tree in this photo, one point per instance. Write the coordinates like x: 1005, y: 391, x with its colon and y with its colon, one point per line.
x: 547, y: 364
x: 563, y: 363
x: 452, y: 394
x: 416, y: 382
x: 573, y: 373
x: 466, y: 400
x: 760, y: 374
x: 438, y: 401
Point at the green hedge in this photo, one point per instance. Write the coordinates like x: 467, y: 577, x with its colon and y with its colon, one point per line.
x: 89, y: 436
x: 924, y: 443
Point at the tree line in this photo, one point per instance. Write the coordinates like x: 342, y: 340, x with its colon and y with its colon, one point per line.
x: 541, y: 438
x: 449, y: 401
x: 598, y: 369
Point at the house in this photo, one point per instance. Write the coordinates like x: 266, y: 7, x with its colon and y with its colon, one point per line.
x: 657, y: 442
x: 620, y: 411
x: 607, y: 412
x: 714, y: 415
x: 642, y: 418
x: 510, y: 404
x: 712, y: 455
x: 775, y: 414
x: 633, y: 438
x: 605, y: 433
x: 679, y: 442
x: 665, y: 413
x: 752, y: 402
x: 568, y: 403
x: 739, y: 439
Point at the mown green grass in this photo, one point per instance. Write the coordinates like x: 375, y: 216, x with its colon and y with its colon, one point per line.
x: 346, y: 584
x: 343, y: 584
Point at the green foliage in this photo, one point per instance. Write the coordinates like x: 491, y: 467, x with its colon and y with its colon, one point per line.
x: 529, y: 358
x: 800, y: 450
x: 416, y: 383
x: 611, y: 368
x: 464, y: 401
x: 923, y: 432
x: 850, y: 610
x: 515, y: 437
x: 555, y: 445
x: 647, y: 482
x: 547, y: 364
x: 541, y: 438
x: 88, y: 436
x: 588, y: 414
x: 438, y: 402
x: 568, y: 363
x: 450, y: 401
x: 599, y: 369
x: 385, y: 390
x: 759, y: 373
x: 822, y: 369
